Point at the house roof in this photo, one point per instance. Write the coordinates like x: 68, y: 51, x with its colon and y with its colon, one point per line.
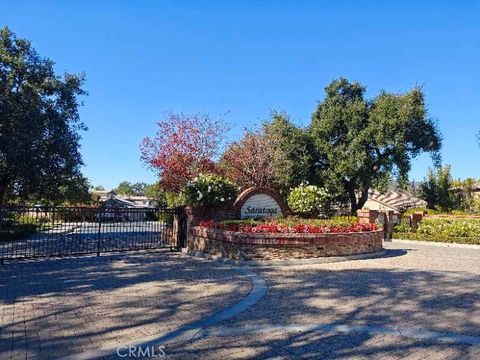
x: 396, y: 199
x: 120, y: 201
x: 475, y: 188
x: 135, y: 197
x: 102, y: 192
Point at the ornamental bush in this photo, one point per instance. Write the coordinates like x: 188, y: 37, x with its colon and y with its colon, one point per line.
x: 450, y: 227
x: 209, y: 190
x: 474, y: 240
x: 274, y: 227
x: 309, y: 200
x: 336, y: 221
x: 403, y: 226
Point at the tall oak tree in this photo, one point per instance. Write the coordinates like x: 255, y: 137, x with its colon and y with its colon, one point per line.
x: 39, y: 126
x: 362, y: 142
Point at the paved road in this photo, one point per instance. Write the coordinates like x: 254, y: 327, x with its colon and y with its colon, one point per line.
x: 56, y: 308
x: 417, y: 302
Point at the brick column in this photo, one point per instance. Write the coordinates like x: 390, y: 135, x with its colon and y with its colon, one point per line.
x: 367, y: 216
x: 189, y: 223
x: 195, y: 214
x: 415, y: 220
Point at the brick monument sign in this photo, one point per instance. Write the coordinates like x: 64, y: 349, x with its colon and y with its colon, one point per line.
x: 260, y: 202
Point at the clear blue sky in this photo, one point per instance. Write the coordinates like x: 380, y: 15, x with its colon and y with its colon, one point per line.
x: 143, y: 58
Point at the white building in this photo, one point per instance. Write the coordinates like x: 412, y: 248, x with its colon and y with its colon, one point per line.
x: 124, y: 207
x: 110, y: 198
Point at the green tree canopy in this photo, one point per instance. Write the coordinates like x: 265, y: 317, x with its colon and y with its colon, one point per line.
x: 293, y: 152
x: 436, y: 189
x: 128, y: 188
x: 465, y: 193
x: 154, y: 191
x: 39, y: 125
x: 75, y: 192
x: 279, y: 155
x: 362, y: 142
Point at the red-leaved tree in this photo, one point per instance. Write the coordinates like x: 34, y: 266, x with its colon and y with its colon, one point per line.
x: 250, y: 161
x: 183, y: 147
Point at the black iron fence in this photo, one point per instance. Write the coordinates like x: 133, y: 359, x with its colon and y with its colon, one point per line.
x: 30, y: 232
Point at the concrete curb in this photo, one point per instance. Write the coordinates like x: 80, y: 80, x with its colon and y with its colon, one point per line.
x: 436, y: 243
x: 189, y: 331
x: 289, y: 262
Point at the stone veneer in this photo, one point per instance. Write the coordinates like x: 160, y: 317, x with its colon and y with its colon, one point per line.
x: 250, y: 246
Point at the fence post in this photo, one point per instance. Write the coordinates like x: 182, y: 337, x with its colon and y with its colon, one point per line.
x: 2, y: 220
x: 99, y: 231
x: 179, y: 228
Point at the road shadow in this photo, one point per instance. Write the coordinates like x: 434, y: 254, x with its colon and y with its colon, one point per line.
x: 52, y: 308
x: 382, y: 297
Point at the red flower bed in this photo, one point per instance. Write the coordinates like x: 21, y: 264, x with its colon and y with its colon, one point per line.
x: 280, y: 228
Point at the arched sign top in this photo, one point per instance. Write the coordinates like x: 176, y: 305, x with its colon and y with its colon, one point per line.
x: 260, y: 202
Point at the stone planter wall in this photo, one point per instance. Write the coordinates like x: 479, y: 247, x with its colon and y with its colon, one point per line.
x: 249, y: 246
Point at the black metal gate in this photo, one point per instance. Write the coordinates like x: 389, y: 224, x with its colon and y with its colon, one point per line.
x: 32, y: 232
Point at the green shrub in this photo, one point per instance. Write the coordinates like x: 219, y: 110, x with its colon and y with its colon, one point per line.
x: 434, y: 211
x: 309, y: 201
x: 174, y: 199
x: 17, y: 232
x: 251, y: 221
x: 18, y: 226
x: 437, y: 237
x: 450, y: 227
x: 458, y: 212
x: 404, y: 226
x: 209, y: 190
x: 338, y: 221
x: 417, y: 210
x: 165, y: 218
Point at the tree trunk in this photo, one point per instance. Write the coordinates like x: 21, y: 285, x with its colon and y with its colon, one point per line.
x: 357, y: 204
x: 363, y: 199
x: 353, y: 199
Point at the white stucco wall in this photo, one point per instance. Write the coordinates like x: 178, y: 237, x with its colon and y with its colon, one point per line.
x: 375, y: 205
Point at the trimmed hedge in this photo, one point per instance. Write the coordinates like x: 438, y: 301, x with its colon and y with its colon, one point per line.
x: 436, y: 238
x: 450, y: 227
x: 449, y: 230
